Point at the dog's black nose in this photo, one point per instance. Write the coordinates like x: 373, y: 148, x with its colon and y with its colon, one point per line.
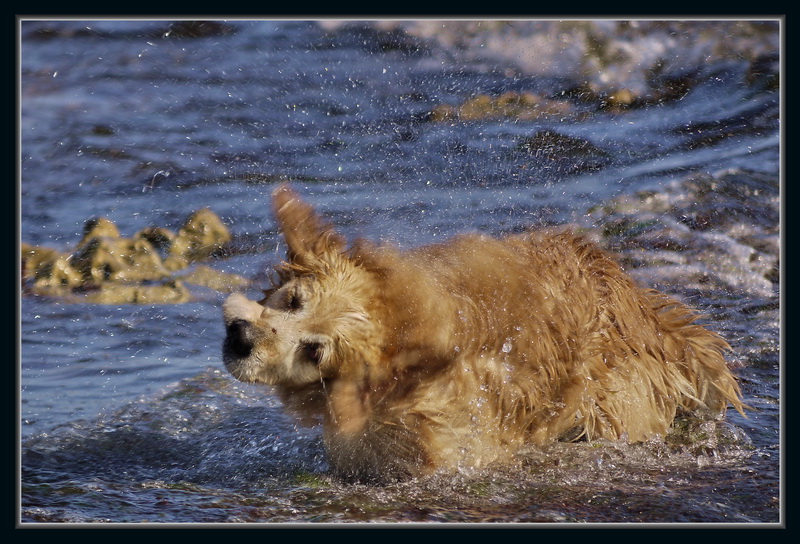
x: 239, y: 339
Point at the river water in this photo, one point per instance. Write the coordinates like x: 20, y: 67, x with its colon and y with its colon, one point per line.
x: 126, y: 414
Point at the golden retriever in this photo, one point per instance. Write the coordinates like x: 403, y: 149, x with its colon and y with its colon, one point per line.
x: 458, y: 354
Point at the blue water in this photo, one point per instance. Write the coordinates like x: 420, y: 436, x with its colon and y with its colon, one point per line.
x: 126, y: 413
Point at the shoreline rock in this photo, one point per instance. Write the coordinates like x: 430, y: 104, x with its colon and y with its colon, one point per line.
x: 107, y: 268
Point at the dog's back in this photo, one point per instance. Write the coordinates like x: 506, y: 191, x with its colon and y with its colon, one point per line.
x: 533, y: 338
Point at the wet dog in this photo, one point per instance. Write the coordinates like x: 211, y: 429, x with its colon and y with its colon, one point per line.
x: 458, y: 354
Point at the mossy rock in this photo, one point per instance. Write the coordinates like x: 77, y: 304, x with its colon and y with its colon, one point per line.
x: 118, y: 259
x: 167, y: 292
x: 202, y: 235
x: 35, y: 259
x: 49, y: 270
x: 160, y: 237
x: 206, y: 276
x: 106, y: 268
x: 99, y: 227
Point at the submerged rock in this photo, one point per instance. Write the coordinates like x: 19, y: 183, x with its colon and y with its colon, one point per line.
x: 567, y: 153
x: 197, y: 29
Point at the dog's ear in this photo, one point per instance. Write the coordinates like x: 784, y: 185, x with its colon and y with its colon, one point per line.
x: 306, y: 234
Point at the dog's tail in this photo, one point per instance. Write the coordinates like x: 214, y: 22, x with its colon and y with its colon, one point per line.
x: 701, y: 358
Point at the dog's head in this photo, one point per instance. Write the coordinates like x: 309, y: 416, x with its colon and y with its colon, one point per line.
x: 316, y: 322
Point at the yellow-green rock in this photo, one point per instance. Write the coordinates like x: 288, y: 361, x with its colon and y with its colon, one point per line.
x: 168, y: 292
x: 35, y: 258
x: 99, y: 227
x: 206, y: 276
x: 105, y: 268
x: 159, y: 237
x: 49, y: 270
x: 523, y: 106
x: 201, y: 235
x: 118, y: 259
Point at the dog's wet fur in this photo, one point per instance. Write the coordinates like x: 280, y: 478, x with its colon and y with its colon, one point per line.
x: 458, y: 354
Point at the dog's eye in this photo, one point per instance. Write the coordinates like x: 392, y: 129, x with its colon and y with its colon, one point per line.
x: 293, y: 301
x: 312, y: 352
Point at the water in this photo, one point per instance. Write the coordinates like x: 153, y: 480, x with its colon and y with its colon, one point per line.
x: 126, y: 414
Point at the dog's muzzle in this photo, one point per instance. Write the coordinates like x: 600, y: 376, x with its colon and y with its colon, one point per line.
x: 239, y: 340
